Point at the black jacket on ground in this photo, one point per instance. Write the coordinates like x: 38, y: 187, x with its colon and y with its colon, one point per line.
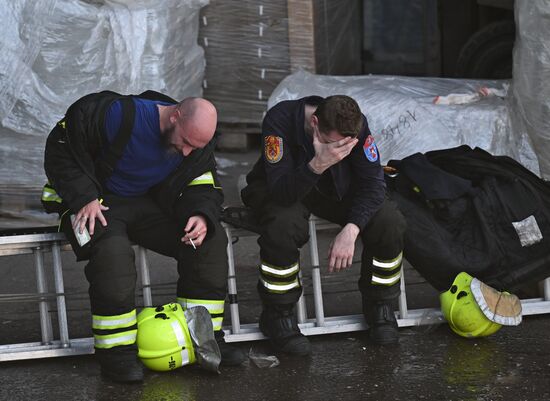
x: 74, y: 147
x: 467, y: 210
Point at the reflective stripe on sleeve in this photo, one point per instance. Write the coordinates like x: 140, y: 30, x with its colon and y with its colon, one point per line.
x: 49, y: 195
x: 204, y: 179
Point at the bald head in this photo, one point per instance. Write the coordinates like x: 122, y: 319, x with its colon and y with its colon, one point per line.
x: 199, y: 116
x: 188, y: 125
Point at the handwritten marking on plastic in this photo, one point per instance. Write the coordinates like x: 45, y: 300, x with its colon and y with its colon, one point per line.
x: 404, y: 122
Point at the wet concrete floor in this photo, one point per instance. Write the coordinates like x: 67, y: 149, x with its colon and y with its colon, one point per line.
x: 430, y: 362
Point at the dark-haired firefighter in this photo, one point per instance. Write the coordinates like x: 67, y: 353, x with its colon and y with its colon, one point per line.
x: 139, y: 169
x: 319, y: 157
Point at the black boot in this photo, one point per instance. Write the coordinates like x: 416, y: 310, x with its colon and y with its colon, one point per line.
x: 120, y: 364
x: 231, y: 355
x: 278, y: 322
x: 381, y: 320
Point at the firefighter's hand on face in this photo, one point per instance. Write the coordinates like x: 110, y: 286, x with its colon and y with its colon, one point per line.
x: 328, y: 154
x: 340, y: 253
x: 88, y: 214
x: 195, y: 230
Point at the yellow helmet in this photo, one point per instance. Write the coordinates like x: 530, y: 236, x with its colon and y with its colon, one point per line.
x: 473, y: 309
x: 163, y: 338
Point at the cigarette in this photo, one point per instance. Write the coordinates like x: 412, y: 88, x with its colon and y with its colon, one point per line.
x: 192, y: 243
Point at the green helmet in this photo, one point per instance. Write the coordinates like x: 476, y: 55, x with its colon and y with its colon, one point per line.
x: 473, y: 309
x: 163, y: 338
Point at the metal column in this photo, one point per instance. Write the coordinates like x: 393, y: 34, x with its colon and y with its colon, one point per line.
x: 60, y: 296
x: 232, y: 285
x: 301, y: 309
x: 45, y: 318
x: 316, y: 275
x: 145, y: 278
x: 402, y: 301
x: 546, y: 289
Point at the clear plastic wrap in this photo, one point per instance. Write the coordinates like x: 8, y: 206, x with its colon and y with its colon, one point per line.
x: 404, y: 119
x: 531, y: 78
x: 251, y: 45
x: 54, y: 52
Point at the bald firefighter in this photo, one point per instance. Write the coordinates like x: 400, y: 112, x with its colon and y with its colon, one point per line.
x: 139, y: 169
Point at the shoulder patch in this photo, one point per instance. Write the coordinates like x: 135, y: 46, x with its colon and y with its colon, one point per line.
x: 273, y: 148
x: 370, y: 149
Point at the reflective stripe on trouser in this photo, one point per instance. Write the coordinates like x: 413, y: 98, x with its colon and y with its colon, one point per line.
x: 115, y: 330
x: 284, y: 230
x: 215, y: 308
x: 279, y: 279
x: 386, y: 271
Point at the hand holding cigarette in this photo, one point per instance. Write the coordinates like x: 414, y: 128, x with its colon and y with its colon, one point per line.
x: 195, y: 231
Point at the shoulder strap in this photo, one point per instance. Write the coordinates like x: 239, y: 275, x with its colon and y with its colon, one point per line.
x: 153, y: 95
x: 106, y: 164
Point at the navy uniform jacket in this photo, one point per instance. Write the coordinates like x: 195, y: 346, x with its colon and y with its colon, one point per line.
x: 287, y: 149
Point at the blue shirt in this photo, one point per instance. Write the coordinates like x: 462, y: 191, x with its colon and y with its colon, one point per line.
x: 146, y: 161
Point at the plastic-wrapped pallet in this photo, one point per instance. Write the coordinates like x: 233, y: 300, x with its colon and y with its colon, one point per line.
x: 251, y: 45
x: 57, y: 51
x: 408, y: 115
x: 531, y: 77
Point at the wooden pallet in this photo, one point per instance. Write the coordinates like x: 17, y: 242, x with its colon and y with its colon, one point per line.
x: 238, y: 136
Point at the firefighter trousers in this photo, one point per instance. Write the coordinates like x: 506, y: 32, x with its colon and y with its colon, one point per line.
x: 285, y: 231
x: 111, y: 270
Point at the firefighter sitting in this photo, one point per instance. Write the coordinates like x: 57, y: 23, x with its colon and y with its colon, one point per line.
x: 319, y: 157
x: 139, y: 169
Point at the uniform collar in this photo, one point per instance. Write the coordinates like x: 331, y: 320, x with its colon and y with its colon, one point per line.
x: 303, y: 138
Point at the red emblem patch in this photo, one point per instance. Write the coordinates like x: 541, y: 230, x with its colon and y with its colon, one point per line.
x: 370, y: 149
x: 273, y: 148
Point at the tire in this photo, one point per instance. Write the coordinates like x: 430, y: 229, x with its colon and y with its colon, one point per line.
x: 488, y: 53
